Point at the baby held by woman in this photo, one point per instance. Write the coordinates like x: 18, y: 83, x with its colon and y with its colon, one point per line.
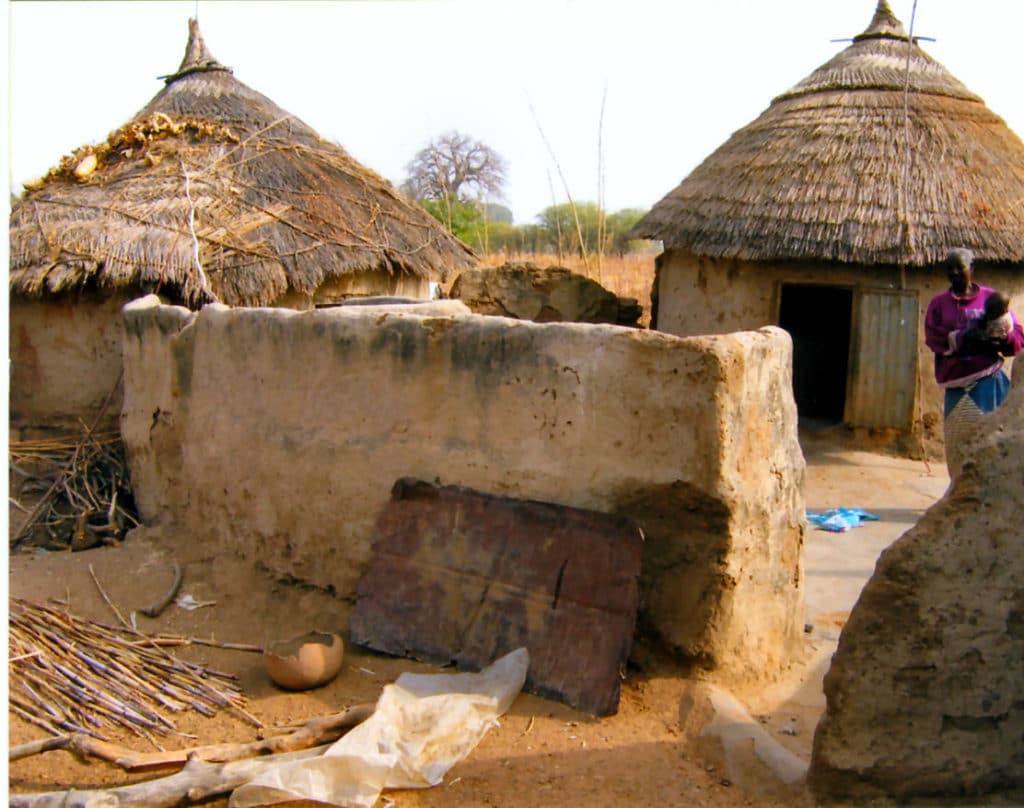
x: 997, y: 322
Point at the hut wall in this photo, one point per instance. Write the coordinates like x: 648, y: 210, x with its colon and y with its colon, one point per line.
x: 693, y: 438
x: 701, y: 295
x: 65, y: 353
x: 65, y: 360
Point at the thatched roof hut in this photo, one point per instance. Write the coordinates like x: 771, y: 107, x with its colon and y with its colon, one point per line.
x: 213, y: 191
x: 830, y: 215
x: 864, y: 161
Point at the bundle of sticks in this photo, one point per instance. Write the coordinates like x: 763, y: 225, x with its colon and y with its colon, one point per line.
x: 67, y: 674
x: 83, y: 490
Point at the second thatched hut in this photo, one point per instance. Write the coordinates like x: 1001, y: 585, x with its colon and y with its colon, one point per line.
x: 831, y: 214
x: 210, y: 192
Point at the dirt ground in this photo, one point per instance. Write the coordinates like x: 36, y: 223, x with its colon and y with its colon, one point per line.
x: 650, y: 753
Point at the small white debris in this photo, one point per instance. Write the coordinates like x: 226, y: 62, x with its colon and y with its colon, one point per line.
x: 191, y: 604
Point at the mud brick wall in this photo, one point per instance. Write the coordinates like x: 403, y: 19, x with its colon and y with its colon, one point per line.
x: 277, y: 435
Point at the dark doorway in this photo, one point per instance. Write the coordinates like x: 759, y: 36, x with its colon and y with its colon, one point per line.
x: 818, y: 319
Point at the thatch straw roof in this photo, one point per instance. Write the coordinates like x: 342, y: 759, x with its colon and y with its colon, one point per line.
x: 847, y: 166
x: 212, y: 188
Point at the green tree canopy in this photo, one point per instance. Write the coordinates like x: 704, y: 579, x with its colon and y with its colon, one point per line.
x: 559, y: 222
x: 463, y: 219
x: 619, y: 224
x: 600, y: 231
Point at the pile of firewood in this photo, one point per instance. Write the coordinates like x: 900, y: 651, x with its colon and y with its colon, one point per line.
x: 79, y: 491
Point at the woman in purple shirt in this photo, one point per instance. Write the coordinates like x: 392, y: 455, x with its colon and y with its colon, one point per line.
x: 968, y: 364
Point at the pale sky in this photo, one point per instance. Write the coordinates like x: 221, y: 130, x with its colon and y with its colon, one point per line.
x: 384, y: 77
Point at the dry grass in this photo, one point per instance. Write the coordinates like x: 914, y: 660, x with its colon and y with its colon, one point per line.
x: 629, y: 275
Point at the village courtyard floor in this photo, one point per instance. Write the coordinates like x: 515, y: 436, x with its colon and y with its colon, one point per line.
x: 651, y: 753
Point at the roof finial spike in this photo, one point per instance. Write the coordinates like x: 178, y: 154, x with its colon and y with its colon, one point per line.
x: 196, y: 54
x: 197, y: 57
x: 884, y: 25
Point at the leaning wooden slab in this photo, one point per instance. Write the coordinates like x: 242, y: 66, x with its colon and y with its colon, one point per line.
x: 464, y: 576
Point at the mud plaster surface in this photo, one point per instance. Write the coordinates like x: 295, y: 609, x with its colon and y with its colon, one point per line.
x: 650, y: 753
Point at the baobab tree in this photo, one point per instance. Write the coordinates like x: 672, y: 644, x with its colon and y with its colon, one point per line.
x: 455, y: 167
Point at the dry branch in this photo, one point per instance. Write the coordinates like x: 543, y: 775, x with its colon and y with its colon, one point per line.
x: 315, y: 732
x: 107, y: 600
x: 199, y: 780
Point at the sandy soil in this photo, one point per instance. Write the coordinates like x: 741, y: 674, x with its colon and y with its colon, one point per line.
x: 651, y: 753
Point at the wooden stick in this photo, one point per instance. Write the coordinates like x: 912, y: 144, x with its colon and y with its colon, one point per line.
x: 79, y: 672
x: 31, y: 717
x: 315, y: 732
x: 108, y: 601
x: 174, y: 641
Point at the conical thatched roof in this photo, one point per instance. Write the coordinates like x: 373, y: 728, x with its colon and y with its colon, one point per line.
x: 823, y: 173
x: 214, y: 188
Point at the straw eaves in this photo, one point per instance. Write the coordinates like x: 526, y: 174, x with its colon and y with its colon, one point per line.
x: 212, y: 190
x: 820, y: 175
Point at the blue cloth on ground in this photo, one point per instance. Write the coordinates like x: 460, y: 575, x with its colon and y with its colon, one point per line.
x: 836, y: 520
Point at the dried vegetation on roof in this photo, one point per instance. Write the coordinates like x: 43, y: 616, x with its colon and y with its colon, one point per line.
x: 214, y: 192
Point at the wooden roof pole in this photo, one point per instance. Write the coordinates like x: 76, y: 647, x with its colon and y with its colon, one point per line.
x: 907, y: 236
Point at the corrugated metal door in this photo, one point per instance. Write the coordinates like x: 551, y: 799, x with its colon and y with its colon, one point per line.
x: 883, y: 360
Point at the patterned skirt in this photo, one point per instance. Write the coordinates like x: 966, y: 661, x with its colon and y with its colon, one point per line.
x: 964, y: 409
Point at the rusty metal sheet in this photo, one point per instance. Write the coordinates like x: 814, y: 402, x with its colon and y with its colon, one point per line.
x: 464, y: 576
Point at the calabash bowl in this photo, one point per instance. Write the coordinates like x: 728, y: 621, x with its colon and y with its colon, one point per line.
x: 306, y: 661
